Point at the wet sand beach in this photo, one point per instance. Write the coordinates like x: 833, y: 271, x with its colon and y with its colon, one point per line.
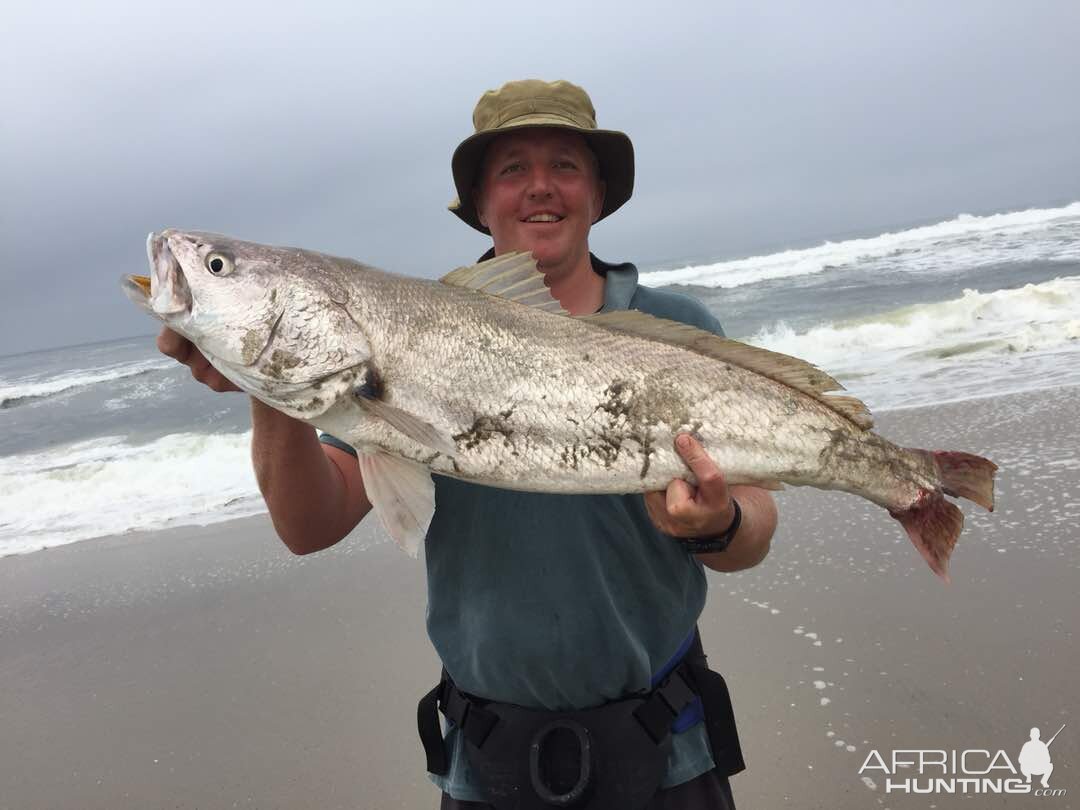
x: 210, y: 668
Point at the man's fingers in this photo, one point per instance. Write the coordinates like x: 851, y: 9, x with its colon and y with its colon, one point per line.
x: 183, y: 350
x: 678, y: 498
x: 220, y: 383
x: 173, y: 345
x: 199, y: 366
x: 209, y: 376
x: 709, y: 477
x: 656, y: 501
x: 683, y: 510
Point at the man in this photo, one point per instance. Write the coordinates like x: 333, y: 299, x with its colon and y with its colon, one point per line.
x: 557, y: 604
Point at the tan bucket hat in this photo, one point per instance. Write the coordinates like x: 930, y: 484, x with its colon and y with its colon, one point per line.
x: 534, y: 103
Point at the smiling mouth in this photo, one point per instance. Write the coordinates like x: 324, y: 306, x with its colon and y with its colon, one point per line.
x: 543, y: 218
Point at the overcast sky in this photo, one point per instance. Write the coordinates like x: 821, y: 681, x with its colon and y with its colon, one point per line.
x: 756, y: 126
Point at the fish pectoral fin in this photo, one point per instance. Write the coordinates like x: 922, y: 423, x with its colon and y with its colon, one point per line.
x: 411, y: 425
x: 513, y: 276
x: 403, y: 496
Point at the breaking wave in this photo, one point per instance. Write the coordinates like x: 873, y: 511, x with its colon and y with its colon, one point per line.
x: 979, y: 340
x: 108, y: 486
x: 14, y: 393
x: 1038, y: 234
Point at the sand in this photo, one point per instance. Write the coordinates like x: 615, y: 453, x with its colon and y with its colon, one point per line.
x: 210, y: 668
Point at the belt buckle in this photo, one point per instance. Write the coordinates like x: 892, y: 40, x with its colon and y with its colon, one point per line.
x: 580, y: 788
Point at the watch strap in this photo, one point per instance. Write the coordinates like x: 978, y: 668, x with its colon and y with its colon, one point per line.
x: 719, y: 542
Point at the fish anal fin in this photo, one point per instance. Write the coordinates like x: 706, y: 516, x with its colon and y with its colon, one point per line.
x: 511, y: 276
x: 934, y: 526
x: 402, y: 494
x: 790, y: 371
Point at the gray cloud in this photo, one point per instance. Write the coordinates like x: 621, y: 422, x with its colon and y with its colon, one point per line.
x: 331, y: 127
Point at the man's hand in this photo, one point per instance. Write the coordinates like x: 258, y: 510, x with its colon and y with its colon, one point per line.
x: 183, y: 350
x: 682, y: 510
x: 707, y: 510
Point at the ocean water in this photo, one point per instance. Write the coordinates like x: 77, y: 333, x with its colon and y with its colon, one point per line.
x: 111, y: 437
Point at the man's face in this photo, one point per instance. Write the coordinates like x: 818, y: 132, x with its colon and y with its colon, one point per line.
x: 538, y: 191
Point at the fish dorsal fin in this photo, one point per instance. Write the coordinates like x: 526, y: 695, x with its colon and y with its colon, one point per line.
x: 512, y: 276
x: 782, y: 368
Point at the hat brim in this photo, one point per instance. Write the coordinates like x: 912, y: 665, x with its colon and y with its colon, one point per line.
x: 614, y: 154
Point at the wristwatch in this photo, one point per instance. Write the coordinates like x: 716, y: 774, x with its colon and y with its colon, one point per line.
x: 718, y: 542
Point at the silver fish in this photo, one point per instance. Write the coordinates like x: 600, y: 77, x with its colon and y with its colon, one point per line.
x: 482, y: 376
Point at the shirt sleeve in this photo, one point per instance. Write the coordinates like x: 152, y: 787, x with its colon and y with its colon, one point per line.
x: 676, y: 307
x: 334, y: 441
x: 702, y: 318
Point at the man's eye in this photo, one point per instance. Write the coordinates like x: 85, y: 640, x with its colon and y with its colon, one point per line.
x: 511, y: 167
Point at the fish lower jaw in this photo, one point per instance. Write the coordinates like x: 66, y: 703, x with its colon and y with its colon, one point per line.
x: 169, y: 306
x: 170, y: 294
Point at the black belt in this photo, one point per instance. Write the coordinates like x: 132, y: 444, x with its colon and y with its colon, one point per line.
x: 611, y: 756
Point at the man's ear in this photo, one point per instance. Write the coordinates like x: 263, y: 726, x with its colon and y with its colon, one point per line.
x: 477, y: 201
x: 601, y: 192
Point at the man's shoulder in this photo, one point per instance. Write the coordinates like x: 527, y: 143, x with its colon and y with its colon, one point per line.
x: 675, y: 307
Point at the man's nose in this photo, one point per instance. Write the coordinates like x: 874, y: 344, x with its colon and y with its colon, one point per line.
x: 539, y: 184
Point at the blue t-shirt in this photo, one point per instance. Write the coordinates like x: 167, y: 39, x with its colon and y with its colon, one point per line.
x: 562, y: 601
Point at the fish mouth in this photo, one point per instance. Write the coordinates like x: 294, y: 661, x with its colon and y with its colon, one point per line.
x: 165, y: 292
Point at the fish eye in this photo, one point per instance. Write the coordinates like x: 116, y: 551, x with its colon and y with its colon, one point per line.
x: 219, y: 264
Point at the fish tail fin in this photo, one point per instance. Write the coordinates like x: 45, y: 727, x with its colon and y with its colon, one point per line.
x: 934, y: 525
x: 964, y: 475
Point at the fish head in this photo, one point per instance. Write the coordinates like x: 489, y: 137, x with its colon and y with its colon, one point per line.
x: 271, y: 319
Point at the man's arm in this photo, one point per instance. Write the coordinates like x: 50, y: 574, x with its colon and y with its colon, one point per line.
x: 685, y: 511
x: 752, y: 542
x: 314, y: 492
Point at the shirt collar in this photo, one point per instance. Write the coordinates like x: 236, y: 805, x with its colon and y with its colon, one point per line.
x: 620, y: 283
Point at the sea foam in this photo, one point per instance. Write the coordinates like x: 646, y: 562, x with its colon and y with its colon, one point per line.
x: 108, y: 486
x: 897, y: 358
x: 1035, y: 316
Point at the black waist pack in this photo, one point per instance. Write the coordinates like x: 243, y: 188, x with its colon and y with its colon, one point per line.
x: 612, y: 756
